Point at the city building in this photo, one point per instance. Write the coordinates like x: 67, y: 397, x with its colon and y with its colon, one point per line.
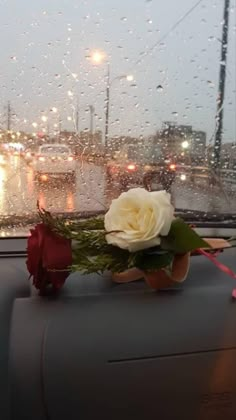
x: 183, y: 142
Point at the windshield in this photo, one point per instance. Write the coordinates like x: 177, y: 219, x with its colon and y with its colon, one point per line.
x: 127, y: 88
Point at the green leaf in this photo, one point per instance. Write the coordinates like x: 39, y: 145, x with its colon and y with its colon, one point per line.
x: 153, y: 262
x: 182, y: 238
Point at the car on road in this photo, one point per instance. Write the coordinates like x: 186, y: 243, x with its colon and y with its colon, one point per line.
x: 160, y: 175
x: 141, y: 166
x: 54, y: 161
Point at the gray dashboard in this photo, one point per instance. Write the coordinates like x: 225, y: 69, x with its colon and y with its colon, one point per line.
x: 109, y: 351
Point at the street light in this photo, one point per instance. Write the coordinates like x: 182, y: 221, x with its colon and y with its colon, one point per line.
x: 98, y: 57
x: 185, y: 144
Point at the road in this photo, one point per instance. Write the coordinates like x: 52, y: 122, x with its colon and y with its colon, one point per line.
x: 19, y: 192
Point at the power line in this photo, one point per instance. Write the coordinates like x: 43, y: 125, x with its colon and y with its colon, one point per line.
x: 173, y: 27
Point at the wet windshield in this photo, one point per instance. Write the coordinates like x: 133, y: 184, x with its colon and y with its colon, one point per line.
x: 54, y: 149
x: 134, y: 91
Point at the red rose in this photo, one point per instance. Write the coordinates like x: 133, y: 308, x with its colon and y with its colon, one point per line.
x: 49, y: 258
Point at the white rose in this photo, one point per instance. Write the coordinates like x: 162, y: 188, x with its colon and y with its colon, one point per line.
x: 138, y: 218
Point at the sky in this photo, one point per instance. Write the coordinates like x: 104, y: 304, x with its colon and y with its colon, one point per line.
x: 45, y: 49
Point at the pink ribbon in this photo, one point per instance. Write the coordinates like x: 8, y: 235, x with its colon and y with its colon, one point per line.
x: 218, y: 264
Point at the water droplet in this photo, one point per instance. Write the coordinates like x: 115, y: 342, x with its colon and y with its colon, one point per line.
x: 210, y: 83
x: 175, y: 113
x: 211, y: 38
x: 149, y: 21
x: 159, y: 88
x: 123, y: 19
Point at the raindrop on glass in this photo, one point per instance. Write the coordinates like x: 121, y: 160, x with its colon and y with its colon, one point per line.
x: 159, y: 88
x: 210, y: 83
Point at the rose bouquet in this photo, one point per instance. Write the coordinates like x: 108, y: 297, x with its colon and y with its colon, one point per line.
x: 139, y: 237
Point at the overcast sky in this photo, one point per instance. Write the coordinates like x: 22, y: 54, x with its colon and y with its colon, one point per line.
x: 45, y: 42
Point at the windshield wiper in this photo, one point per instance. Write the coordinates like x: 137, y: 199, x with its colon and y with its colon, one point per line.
x: 207, y: 219
x: 197, y: 217
x: 30, y: 220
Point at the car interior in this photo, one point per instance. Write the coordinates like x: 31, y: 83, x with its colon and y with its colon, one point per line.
x: 124, y: 351
x: 117, y: 165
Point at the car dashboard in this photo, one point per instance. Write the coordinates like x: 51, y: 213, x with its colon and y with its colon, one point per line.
x: 117, y: 351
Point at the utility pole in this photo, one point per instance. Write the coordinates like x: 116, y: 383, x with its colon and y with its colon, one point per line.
x: 77, y: 117
x: 221, y: 93
x: 107, y: 106
x: 92, y: 110
x: 59, y: 128
x: 9, y: 116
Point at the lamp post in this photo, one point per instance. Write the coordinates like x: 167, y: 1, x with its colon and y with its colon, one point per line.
x: 97, y: 58
x: 107, y: 106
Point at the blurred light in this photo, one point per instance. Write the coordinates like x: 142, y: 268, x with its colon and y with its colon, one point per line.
x: 44, y: 118
x: 41, y: 158
x: 97, y: 57
x: 183, y: 177
x: 54, y: 109
x: 129, y: 77
x: 69, y: 118
x: 75, y: 75
x: 185, y: 144
x: 44, y: 178
x: 70, y: 158
x: 40, y: 134
x: 172, y: 167
x: 70, y: 93
x: 34, y: 124
x: 131, y: 167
